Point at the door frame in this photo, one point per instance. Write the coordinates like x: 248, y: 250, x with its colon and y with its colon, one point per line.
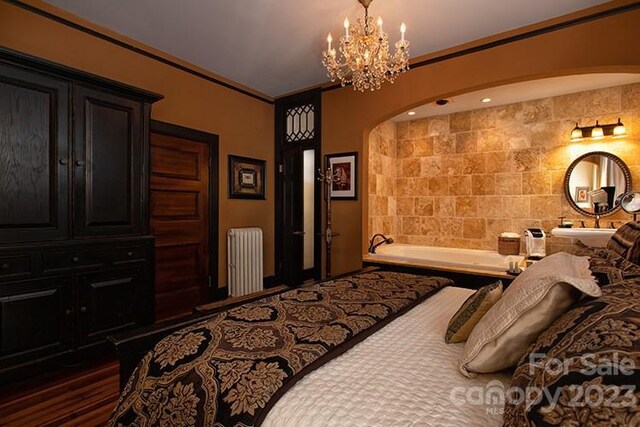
x: 313, y: 97
x: 212, y: 140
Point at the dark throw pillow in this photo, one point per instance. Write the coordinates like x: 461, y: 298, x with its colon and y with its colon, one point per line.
x: 608, y: 267
x: 471, y: 311
x: 626, y: 242
x: 584, y: 369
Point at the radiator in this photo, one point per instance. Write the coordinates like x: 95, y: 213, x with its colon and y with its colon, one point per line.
x: 244, y: 260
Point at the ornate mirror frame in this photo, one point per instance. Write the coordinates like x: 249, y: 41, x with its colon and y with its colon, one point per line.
x: 567, y: 191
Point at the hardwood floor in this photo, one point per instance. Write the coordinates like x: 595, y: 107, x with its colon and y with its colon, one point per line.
x: 85, y: 397
x: 81, y: 397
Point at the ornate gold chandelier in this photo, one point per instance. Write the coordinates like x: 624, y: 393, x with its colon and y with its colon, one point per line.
x: 365, y: 60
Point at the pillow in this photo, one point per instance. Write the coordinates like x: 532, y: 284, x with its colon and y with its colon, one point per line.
x: 528, y: 306
x: 608, y: 267
x: 626, y: 242
x: 471, y: 311
x: 560, y: 369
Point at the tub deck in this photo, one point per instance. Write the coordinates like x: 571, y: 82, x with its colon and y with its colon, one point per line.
x: 466, y: 277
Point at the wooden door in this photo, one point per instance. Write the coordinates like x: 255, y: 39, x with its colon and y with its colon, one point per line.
x: 107, y: 164
x: 34, y: 158
x: 180, y: 223
x: 293, y: 217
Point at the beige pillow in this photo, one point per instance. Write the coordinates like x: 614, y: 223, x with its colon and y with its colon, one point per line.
x: 528, y: 306
x: 471, y: 311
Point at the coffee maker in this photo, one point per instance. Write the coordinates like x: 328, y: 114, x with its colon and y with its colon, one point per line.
x: 535, y: 243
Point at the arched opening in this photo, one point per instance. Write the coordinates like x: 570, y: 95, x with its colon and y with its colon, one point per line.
x: 459, y: 174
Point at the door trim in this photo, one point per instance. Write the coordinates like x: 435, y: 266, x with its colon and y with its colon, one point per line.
x: 212, y: 140
x: 314, y: 97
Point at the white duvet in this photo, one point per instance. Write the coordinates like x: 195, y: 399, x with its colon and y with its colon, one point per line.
x: 403, y: 375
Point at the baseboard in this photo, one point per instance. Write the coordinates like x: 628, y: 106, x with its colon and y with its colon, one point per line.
x: 220, y: 293
x: 271, y: 282
x: 223, y: 293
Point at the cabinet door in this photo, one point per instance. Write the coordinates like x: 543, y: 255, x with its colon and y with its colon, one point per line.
x: 111, y: 301
x: 34, y: 116
x: 107, y: 164
x: 36, y: 319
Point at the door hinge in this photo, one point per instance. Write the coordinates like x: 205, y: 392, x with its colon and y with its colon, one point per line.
x: 281, y: 168
x: 210, y: 282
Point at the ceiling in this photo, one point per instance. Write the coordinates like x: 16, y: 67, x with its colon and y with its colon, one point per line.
x: 274, y: 46
x: 520, y: 92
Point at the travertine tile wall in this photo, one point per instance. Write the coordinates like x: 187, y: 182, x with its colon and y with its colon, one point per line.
x: 383, y: 165
x: 462, y: 179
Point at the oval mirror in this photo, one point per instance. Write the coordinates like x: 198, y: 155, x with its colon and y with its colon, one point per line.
x: 594, y: 183
x: 630, y: 202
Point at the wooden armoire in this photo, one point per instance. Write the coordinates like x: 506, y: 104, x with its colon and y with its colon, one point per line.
x: 76, y: 257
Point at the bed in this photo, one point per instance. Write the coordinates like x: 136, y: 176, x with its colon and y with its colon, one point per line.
x: 402, y: 375
x: 391, y: 367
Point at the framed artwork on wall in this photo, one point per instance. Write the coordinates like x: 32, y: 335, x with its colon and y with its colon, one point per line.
x: 247, y: 178
x: 344, y: 168
x: 582, y: 194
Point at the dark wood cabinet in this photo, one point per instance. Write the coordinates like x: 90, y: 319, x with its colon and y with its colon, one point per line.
x: 123, y: 291
x: 107, y: 166
x: 76, y: 261
x: 34, y: 147
x: 36, y: 318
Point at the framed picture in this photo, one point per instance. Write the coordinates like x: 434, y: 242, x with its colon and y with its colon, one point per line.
x: 247, y: 178
x: 582, y: 194
x: 344, y: 167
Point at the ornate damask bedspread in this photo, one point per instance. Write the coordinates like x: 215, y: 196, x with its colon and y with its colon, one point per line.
x: 232, y: 368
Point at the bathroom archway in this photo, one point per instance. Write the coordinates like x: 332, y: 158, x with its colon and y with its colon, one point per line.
x: 457, y: 175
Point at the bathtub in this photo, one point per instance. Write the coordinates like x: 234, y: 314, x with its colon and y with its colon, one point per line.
x: 452, y: 258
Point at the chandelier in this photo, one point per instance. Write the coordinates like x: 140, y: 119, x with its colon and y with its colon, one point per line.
x: 365, y: 60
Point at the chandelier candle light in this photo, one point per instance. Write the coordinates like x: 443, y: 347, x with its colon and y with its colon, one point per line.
x: 365, y: 61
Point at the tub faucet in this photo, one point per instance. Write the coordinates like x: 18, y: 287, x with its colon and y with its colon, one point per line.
x: 597, y: 222
x: 373, y: 245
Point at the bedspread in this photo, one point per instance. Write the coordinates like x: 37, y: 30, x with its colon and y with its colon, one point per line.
x: 232, y: 368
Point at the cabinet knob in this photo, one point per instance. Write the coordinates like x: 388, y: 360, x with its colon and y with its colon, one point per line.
x: 83, y: 309
x: 5, y: 266
x: 80, y: 162
x: 64, y: 162
x: 68, y: 312
x: 75, y: 259
x: 129, y: 254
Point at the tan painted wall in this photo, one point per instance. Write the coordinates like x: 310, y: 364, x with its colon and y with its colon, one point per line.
x: 461, y: 179
x: 596, y: 46
x: 245, y: 125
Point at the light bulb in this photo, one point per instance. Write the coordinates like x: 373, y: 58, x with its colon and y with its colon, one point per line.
x: 403, y: 29
x: 597, y: 132
x: 619, y: 129
x: 576, y: 133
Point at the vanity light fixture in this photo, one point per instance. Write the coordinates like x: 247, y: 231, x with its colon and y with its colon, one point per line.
x: 411, y: 113
x: 619, y: 129
x: 598, y: 131
x: 576, y: 133
x: 485, y: 100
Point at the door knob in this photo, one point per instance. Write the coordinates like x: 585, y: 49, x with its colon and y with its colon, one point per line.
x: 80, y: 162
x: 298, y: 233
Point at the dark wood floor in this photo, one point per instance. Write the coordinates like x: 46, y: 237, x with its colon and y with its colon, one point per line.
x: 82, y: 397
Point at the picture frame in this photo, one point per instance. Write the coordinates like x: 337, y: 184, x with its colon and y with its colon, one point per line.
x: 247, y: 178
x: 582, y: 194
x: 344, y: 168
